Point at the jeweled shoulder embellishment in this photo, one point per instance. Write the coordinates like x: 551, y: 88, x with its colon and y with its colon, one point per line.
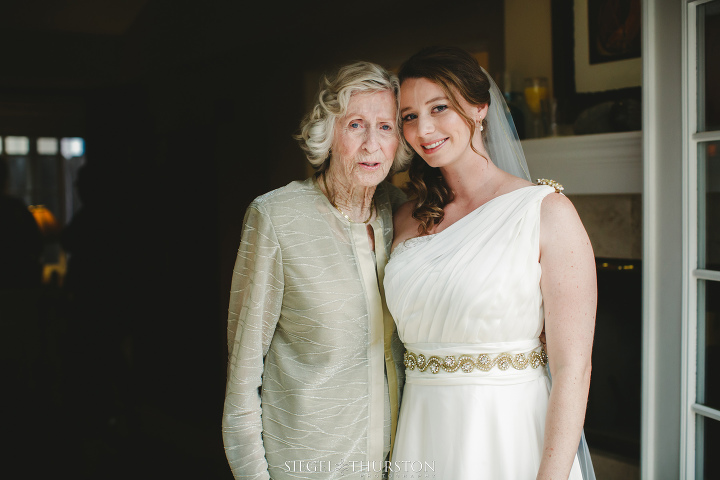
x: 551, y: 183
x: 468, y: 363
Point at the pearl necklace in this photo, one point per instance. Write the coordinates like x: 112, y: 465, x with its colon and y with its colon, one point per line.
x: 332, y: 202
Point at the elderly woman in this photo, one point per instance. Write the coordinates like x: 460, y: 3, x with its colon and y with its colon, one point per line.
x: 315, y: 365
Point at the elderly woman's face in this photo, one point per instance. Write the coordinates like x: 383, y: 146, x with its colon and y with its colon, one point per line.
x: 365, y: 139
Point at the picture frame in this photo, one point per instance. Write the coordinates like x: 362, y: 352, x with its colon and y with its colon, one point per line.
x: 579, y: 85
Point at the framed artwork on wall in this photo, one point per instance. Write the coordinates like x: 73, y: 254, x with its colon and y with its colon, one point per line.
x: 607, y: 44
x: 603, y: 96
x: 613, y: 30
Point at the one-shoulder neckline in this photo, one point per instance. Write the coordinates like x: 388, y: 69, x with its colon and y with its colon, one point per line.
x: 410, y: 243
x: 469, y: 214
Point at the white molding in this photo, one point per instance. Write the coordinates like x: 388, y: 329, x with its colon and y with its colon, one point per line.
x: 663, y: 257
x: 648, y: 411
x: 689, y: 240
x: 589, y: 164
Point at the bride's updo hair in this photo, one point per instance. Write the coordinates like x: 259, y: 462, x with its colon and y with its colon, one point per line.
x: 455, y: 71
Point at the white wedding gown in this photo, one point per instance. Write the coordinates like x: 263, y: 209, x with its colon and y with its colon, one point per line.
x: 472, y: 289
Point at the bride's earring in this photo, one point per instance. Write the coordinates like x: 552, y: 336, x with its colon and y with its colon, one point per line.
x: 481, y: 125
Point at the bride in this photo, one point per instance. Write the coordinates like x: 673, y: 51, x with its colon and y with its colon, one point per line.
x: 483, y: 260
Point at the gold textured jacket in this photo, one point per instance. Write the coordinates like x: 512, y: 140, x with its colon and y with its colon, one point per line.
x: 310, y: 340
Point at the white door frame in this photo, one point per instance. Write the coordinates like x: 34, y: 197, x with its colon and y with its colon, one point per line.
x: 663, y: 194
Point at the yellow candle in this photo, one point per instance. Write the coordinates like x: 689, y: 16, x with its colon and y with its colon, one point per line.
x: 534, y: 95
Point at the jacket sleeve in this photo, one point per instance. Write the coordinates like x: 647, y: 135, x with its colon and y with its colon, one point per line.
x: 255, y: 303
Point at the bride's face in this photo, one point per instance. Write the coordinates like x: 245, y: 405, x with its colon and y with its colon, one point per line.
x: 432, y: 126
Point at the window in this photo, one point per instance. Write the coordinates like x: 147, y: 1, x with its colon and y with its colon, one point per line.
x: 701, y: 425
x: 17, y: 145
x: 47, y: 146
x: 42, y: 172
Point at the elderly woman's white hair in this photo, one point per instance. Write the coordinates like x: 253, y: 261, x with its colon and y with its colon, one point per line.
x: 317, y: 128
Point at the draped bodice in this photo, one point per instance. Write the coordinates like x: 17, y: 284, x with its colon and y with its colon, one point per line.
x: 477, y: 281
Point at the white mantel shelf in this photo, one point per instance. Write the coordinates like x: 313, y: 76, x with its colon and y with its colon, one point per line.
x: 607, y: 163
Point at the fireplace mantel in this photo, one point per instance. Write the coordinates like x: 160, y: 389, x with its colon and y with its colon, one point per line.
x: 608, y: 163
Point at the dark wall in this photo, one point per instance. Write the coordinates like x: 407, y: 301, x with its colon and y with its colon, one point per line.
x: 187, y: 117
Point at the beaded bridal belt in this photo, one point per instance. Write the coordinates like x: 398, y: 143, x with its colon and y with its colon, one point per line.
x: 468, y: 363
x: 513, y: 362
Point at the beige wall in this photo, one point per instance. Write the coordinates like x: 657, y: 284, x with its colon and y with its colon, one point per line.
x: 613, y: 223
x: 528, y: 40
